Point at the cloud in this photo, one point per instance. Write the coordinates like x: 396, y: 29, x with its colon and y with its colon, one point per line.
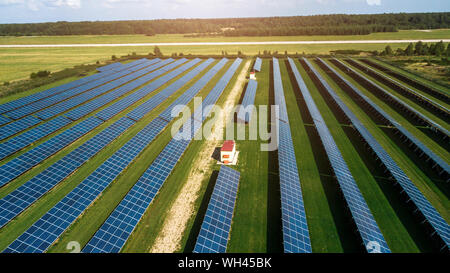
x: 36, y: 5
x: 374, y: 2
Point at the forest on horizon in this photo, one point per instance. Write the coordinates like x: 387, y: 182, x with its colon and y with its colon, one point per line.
x: 337, y: 24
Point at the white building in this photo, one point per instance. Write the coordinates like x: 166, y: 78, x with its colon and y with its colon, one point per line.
x: 228, y: 152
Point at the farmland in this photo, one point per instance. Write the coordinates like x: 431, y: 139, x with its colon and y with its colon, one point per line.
x: 382, y: 146
x: 18, y: 63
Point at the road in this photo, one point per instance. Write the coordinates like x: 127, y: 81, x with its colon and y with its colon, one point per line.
x: 233, y: 43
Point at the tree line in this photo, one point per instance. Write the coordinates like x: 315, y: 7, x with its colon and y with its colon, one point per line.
x: 337, y: 24
x: 420, y: 49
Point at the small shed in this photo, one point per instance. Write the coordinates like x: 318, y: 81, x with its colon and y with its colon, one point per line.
x: 228, y: 152
x: 252, y: 75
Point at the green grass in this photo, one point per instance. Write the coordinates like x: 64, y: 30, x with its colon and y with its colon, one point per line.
x: 173, y: 38
x: 19, y: 63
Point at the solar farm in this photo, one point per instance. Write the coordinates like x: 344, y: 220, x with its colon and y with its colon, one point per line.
x: 361, y: 165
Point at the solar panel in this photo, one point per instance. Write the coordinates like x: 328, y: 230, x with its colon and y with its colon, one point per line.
x: 17, y: 201
x: 141, y: 110
x: 89, y: 189
x: 405, y: 90
x: 4, y: 120
x: 419, y: 115
x: 424, y: 149
x: 427, y: 210
x: 113, y: 234
x: 216, y: 226
x: 295, y: 227
x: 19, y: 142
x: 246, y: 109
x: 411, y: 81
x: 257, y: 66
x: 56, y: 90
x: 109, y: 67
x: 44, y: 103
x: 138, y: 95
x: 18, y: 126
x: 362, y: 216
x: 26, y: 161
x: 93, y: 105
x: 82, y: 98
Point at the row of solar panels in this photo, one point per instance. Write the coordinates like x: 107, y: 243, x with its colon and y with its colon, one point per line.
x: 247, y: 106
x: 438, y: 161
x: 362, y: 216
x: 14, y: 168
x: 111, y: 237
x: 420, y: 116
x: 104, y: 175
x: 296, y: 237
x: 9, y: 106
x: 216, y: 225
x: 47, y: 102
x: 409, y: 80
x: 59, y: 104
x: 21, y: 141
x: 441, y: 110
x: 431, y: 215
x: 72, y: 161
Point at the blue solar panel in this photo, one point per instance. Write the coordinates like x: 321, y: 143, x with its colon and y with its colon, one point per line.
x: 130, y: 100
x: 109, y: 67
x: 416, y: 94
x: 18, y: 126
x: 295, y: 227
x: 44, y: 103
x: 21, y: 141
x: 257, y: 65
x: 55, y: 90
x: 216, y: 226
x: 17, y: 201
x: 428, y: 211
x: 192, y: 91
x: 419, y: 115
x: 247, y: 107
x: 26, y: 161
x: 82, y: 98
x: 89, y: 189
x: 93, y: 105
x: 4, y: 120
x: 113, y: 234
x: 364, y: 220
x: 424, y: 149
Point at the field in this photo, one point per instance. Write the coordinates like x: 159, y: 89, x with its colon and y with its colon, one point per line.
x: 18, y: 63
x: 256, y: 223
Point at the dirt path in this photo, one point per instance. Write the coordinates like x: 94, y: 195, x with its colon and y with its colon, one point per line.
x: 169, y: 238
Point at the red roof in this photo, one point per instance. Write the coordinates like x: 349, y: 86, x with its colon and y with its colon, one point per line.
x: 228, y: 146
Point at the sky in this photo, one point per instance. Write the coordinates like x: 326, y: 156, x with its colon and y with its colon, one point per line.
x: 31, y: 11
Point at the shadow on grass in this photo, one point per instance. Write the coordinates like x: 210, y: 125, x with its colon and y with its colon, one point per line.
x: 274, y: 224
x: 195, y: 230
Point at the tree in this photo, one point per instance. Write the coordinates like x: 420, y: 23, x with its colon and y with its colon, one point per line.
x: 157, y: 52
x: 419, y: 46
x: 113, y: 57
x: 440, y: 48
x: 409, y: 51
x: 388, y: 51
x: 448, y: 50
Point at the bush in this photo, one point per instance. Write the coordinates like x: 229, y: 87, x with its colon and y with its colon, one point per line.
x: 113, y: 57
x: 6, y: 83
